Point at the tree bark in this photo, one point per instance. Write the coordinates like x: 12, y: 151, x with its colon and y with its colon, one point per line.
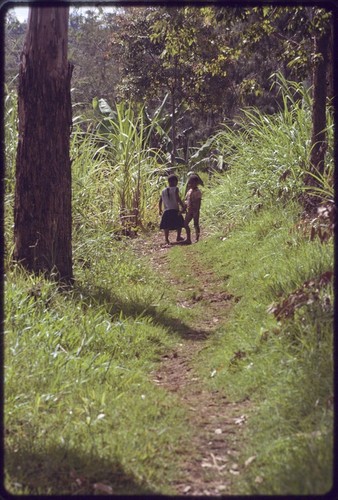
x: 42, y: 213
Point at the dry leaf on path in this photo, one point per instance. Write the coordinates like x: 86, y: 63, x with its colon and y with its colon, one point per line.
x: 206, y: 464
x: 234, y: 472
x: 249, y: 460
x: 240, y: 420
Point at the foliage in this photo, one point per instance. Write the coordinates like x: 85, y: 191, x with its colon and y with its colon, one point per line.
x: 180, y: 48
x: 277, y: 261
x: 209, y: 56
x: 11, y: 139
x: 323, y: 187
x: 11, y: 136
x: 77, y: 385
x: 184, y: 51
x: 77, y: 362
x: 89, y: 48
x: 265, y: 157
x: 283, y: 365
x: 14, y: 38
x: 206, y: 56
x: 115, y: 163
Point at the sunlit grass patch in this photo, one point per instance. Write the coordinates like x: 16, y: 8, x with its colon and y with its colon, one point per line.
x: 78, y: 385
x: 284, y: 366
x: 82, y: 414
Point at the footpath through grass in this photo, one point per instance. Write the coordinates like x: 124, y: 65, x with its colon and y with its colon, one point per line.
x: 283, y: 364
x: 82, y: 415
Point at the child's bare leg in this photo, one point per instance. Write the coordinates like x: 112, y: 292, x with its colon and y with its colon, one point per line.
x: 197, y: 227
x: 166, y: 236
x: 187, y: 228
x: 188, y: 240
x: 197, y: 231
x: 179, y: 237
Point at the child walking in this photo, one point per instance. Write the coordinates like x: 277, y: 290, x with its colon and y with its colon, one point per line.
x: 193, y: 202
x: 171, y: 218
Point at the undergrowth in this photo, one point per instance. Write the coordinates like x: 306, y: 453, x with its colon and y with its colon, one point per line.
x: 276, y: 349
x: 81, y: 409
x: 285, y: 365
x: 82, y: 415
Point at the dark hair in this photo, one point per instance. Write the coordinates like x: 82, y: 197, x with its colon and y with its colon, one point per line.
x: 194, y: 178
x: 172, y: 177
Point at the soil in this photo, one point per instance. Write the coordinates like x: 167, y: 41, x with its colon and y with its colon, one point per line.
x: 211, y: 466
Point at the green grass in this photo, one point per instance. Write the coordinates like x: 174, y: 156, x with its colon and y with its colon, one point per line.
x: 285, y: 367
x: 81, y: 408
x: 80, y: 401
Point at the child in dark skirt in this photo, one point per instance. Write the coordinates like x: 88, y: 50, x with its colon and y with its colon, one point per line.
x: 171, y: 218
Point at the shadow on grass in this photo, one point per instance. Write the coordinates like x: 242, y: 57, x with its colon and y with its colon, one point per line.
x: 114, y: 305
x: 58, y: 471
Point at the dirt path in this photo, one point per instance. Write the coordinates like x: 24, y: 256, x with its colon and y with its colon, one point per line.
x: 211, y: 466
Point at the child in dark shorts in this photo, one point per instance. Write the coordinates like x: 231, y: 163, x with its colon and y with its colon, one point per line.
x: 171, y: 217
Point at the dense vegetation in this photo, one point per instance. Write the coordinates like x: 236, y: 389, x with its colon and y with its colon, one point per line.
x: 206, y: 59
x: 78, y: 394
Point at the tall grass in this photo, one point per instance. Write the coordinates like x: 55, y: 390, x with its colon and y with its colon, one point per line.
x: 285, y: 366
x: 294, y: 93
x: 82, y: 412
x: 267, y: 157
x: 10, y: 146
x: 82, y: 415
x: 116, y: 169
x: 265, y: 254
x: 323, y: 187
x: 116, y: 175
x: 11, y: 137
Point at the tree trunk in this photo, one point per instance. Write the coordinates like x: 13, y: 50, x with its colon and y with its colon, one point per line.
x: 42, y: 214
x: 318, y: 140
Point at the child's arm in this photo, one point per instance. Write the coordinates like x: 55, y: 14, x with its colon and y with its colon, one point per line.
x: 179, y: 201
x: 160, y: 206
